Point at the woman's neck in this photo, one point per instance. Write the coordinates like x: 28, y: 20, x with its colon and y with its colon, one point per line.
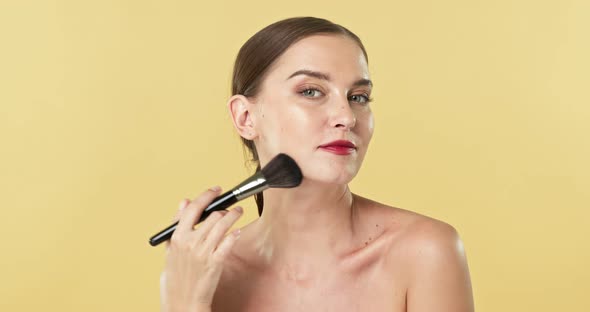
x: 305, y: 226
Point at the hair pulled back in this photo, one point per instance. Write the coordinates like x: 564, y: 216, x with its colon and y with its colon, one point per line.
x: 263, y: 49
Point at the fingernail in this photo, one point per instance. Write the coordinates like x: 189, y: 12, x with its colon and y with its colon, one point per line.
x: 182, y: 204
x: 216, y: 188
x: 237, y: 232
x: 239, y: 209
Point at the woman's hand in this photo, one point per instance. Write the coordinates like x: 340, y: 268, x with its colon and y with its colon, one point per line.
x: 194, y: 257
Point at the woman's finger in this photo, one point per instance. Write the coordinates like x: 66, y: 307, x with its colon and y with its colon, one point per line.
x: 181, y: 206
x: 204, y: 227
x: 218, y: 231
x: 226, y: 245
x: 190, y: 215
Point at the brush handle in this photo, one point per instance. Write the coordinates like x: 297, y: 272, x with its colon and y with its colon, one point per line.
x: 219, y: 203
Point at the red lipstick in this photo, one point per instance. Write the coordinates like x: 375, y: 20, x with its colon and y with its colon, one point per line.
x: 339, y: 147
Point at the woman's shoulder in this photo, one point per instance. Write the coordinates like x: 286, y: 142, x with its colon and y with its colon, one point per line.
x: 410, y: 222
x: 427, y: 256
x: 415, y: 233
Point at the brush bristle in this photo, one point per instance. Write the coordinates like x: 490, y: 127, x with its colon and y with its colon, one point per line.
x: 282, y: 172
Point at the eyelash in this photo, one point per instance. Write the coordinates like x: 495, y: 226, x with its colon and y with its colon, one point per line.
x: 366, y: 100
x: 302, y: 92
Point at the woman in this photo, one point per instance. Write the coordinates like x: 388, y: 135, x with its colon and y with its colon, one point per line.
x: 301, y: 86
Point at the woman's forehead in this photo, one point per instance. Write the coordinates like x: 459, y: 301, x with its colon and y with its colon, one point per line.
x: 335, y: 55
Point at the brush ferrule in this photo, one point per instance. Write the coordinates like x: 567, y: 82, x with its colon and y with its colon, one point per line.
x: 254, y: 184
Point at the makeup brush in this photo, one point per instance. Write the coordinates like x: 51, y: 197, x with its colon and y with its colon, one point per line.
x: 281, y: 172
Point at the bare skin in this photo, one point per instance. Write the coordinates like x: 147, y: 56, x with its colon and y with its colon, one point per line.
x: 316, y: 247
x: 381, y: 270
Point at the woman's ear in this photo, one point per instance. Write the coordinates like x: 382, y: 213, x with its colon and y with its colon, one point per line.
x: 240, y: 112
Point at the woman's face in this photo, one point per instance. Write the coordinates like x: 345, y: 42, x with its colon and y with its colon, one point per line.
x: 315, y: 94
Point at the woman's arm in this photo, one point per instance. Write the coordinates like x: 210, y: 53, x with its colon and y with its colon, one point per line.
x: 441, y: 279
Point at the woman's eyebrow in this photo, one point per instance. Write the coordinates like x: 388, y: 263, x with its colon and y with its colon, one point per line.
x: 324, y: 76
x: 311, y: 73
x: 363, y: 82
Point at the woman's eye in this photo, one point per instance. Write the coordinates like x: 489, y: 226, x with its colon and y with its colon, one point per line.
x: 311, y: 93
x: 360, y: 98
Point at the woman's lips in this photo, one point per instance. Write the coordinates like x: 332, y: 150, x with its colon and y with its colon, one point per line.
x: 340, y: 147
x: 338, y: 150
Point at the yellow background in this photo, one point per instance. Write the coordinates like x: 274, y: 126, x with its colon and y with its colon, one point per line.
x: 112, y: 111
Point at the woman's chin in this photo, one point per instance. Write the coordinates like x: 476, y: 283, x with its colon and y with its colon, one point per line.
x: 330, y: 177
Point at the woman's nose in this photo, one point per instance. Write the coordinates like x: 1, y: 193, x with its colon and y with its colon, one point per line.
x: 342, y: 115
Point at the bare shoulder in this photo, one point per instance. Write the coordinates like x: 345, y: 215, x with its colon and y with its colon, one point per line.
x: 416, y: 241
x: 410, y: 227
x: 432, y: 256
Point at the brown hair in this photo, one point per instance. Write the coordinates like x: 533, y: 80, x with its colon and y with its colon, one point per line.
x: 261, y: 50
